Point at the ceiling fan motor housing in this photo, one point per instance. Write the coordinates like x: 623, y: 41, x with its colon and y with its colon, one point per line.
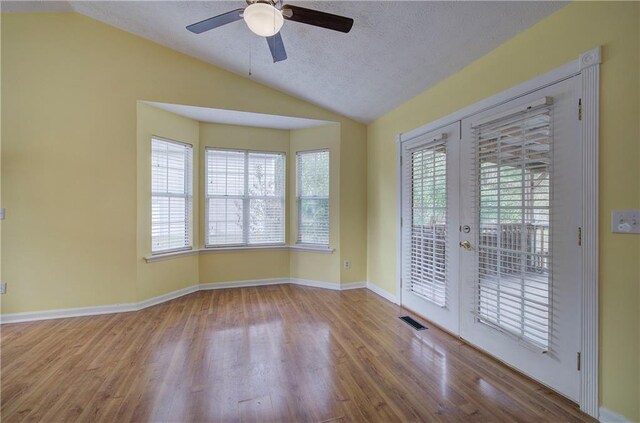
x: 266, y: 17
x: 263, y: 18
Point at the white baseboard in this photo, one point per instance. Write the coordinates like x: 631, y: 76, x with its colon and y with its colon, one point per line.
x: 121, y: 308
x: 352, y: 285
x: 66, y: 312
x: 165, y: 297
x: 315, y: 284
x: 328, y: 285
x: 382, y: 292
x: 608, y: 416
x: 94, y: 311
x: 243, y: 284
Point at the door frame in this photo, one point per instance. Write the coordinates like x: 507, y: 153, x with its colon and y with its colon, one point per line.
x: 587, y: 65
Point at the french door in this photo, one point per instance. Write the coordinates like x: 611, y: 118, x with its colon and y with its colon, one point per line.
x: 430, y: 181
x: 510, y: 252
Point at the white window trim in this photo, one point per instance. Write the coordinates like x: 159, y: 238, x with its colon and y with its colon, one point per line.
x: 308, y: 245
x: 184, y: 253
x: 188, y: 197
x: 245, y: 198
x: 588, y: 66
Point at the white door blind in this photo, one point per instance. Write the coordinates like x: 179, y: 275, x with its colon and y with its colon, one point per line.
x: 427, y: 180
x: 171, y: 195
x: 513, y: 195
x: 313, y: 197
x: 245, y: 197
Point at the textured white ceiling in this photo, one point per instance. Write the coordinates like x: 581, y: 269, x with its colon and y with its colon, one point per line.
x: 395, y: 50
x: 42, y: 6
x: 235, y: 117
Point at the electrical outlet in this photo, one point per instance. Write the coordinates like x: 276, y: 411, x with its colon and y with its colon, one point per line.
x: 3, y: 287
x: 347, y: 264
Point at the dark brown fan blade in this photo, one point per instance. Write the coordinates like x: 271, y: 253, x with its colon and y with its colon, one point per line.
x: 216, y: 21
x: 316, y: 18
x: 277, y: 48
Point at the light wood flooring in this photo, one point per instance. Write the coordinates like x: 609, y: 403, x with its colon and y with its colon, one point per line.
x: 275, y: 353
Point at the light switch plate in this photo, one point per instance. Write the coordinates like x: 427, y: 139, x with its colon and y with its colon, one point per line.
x: 625, y: 221
x: 1, y: 214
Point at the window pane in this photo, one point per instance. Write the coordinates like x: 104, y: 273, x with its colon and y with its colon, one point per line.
x: 313, y: 197
x: 225, y: 172
x: 266, y: 174
x: 428, y: 253
x: 314, y: 174
x: 171, y: 197
x: 225, y: 221
x: 266, y: 221
x: 314, y: 221
x: 230, y: 204
x: 514, y: 246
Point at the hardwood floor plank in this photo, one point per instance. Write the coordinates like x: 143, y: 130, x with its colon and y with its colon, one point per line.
x: 260, y: 354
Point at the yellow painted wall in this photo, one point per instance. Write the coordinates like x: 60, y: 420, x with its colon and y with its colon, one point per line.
x: 245, y: 265
x: 308, y: 265
x: 218, y: 267
x: 71, y: 86
x: 353, y: 219
x: 154, y: 279
x: 554, y: 41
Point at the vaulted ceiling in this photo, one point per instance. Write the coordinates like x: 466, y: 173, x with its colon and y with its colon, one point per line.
x: 395, y: 50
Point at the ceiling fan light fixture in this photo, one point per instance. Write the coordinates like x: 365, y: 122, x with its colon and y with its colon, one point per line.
x: 263, y: 19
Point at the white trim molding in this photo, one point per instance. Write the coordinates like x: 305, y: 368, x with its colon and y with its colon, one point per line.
x: 128, y: 307
x: 587, y: 66
x: 213, y: 250
x: 94, y: 311
x: 312, y: 249
x: 590, y: 68
x: 590, y: 58
x: 165, y: 297
x: 398, y: 296
x: 172, y: 255
x: 66, y: 312
x: 608, y: 416
x: 328, y: 285
x: 352, y: 285
x: 243, y: 284
x: 383, y: 293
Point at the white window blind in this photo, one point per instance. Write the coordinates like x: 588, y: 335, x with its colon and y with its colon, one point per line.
x: 426, y: 179
x: 313, y: 197
x: 171, y: 195
x: 513, y: 159
x: 245, y: 197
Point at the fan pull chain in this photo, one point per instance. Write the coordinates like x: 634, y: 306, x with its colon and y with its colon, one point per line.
x: 250, y: 43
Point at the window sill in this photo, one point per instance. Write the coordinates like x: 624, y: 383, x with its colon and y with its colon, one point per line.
x: 168, y: 256
x: 312, y: 249
x: 242, y: 248
x: 177, y: 254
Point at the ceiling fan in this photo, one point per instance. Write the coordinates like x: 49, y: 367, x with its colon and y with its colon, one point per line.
x: 266, y: 17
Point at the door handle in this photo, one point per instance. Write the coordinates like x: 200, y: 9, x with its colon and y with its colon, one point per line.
x: 466, y: 245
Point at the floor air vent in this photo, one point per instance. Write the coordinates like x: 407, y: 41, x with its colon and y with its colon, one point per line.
x: 416, y: 325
